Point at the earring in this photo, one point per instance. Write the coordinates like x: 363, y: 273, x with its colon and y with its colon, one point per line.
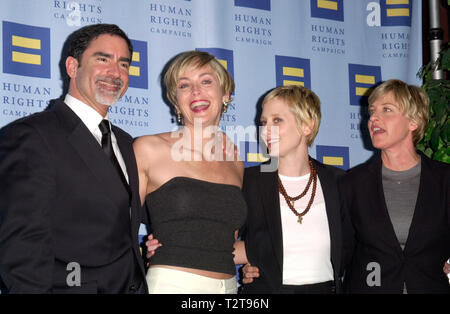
x: 225, y: 107
x: 179, y: 118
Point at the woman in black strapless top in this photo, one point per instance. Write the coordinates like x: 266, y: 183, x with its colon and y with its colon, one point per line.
x: 192, y: 191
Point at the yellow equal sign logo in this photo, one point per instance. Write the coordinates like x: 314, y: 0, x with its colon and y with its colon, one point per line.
x: 327, y: 4
x: 364, y: 79
x: 296, y: 72
x: 134, y: 70
x: 224, y: 63
x: 25, y: 42
x: 337, y: 156
x: 256, y: 157
x: 333, y: 161
x: 397, y: 11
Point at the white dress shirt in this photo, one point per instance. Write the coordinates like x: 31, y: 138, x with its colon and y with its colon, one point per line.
x: 91, y: 118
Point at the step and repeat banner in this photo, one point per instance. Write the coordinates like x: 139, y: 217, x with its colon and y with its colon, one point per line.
x: 337, y: 48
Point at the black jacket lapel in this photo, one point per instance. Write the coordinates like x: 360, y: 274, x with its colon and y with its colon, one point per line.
x: 389, y: 232
x: 332, y: 203
x: 271, y: 201
x: 91, y: 153
x: 125, y: 143
x: 420, y: 210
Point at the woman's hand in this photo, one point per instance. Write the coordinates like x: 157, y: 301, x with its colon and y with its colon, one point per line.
x: 249, y: 272
x: 152, y: 245
x: 223, y: 149
x: 230, y: 150
x: 446, y: 269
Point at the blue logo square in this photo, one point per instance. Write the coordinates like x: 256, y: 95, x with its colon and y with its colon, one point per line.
x: 396, y: 12
x: 328, y: 9
x: 362, y: 78
x: 139, y: 65
x: 26, y: 50
x: 225, y: 57
x: 255, y: 4
x: 292, y: 71
x: 252, y: 153
x: 337, y: 156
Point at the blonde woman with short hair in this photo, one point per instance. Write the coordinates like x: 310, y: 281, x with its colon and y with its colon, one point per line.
x: 293, y: 231
x: 397, y: 202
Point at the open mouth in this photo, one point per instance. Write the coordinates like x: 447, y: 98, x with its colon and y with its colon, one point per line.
x: 109, y: 85
x: 271, y: 142
x: 377, y: 130
x: 199, y: 105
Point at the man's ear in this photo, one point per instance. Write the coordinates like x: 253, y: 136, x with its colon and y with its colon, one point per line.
x: 71, y: 67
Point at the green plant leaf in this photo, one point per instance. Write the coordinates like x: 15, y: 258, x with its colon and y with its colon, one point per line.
x: 445, y: 134
x: 441, y: 155
x: 445, y: 61
x: 428, y: 152
x: 421, y: 146
x: 440, y: 110
x: 428, y: 131
x: 435, y: 139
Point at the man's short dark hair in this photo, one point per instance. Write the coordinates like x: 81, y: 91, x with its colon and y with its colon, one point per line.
x: 82, y: 37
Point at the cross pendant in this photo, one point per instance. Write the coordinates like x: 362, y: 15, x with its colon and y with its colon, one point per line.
x: 300, y: 219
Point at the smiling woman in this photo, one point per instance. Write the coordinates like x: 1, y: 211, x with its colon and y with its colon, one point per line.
x: 200, y: 97
x: 294, y: 209
x: 195, y: 204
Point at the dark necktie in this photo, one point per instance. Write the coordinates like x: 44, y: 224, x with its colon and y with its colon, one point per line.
x: 108, y: 149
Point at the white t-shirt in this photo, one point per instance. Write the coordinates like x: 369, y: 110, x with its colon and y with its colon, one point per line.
x: 306, y: 246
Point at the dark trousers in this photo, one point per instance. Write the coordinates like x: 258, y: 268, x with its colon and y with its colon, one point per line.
x: 327, y: 287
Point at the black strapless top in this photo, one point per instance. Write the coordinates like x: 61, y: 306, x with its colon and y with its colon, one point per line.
x: 195, y: 221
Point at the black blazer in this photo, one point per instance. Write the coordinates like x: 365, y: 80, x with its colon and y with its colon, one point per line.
x: 262, y: 232
x: 61, y: 201
x: 372, y: 237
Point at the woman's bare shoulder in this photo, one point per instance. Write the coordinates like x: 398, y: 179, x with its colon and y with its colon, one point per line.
x: 152, y: 141
x: 152, y: 148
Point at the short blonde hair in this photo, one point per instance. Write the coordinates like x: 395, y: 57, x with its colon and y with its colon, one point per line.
x: 304, y: 104
x: 412, y: 101
x: 195, y: 59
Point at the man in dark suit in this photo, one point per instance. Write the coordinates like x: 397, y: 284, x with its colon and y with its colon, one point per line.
x: 69, y: 202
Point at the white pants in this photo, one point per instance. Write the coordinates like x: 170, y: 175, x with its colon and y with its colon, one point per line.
x: 164, y: 280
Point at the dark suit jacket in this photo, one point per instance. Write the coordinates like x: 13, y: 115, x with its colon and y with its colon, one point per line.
x: 373, y: 239
x: 263, y: 234
x: 61, y: 201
